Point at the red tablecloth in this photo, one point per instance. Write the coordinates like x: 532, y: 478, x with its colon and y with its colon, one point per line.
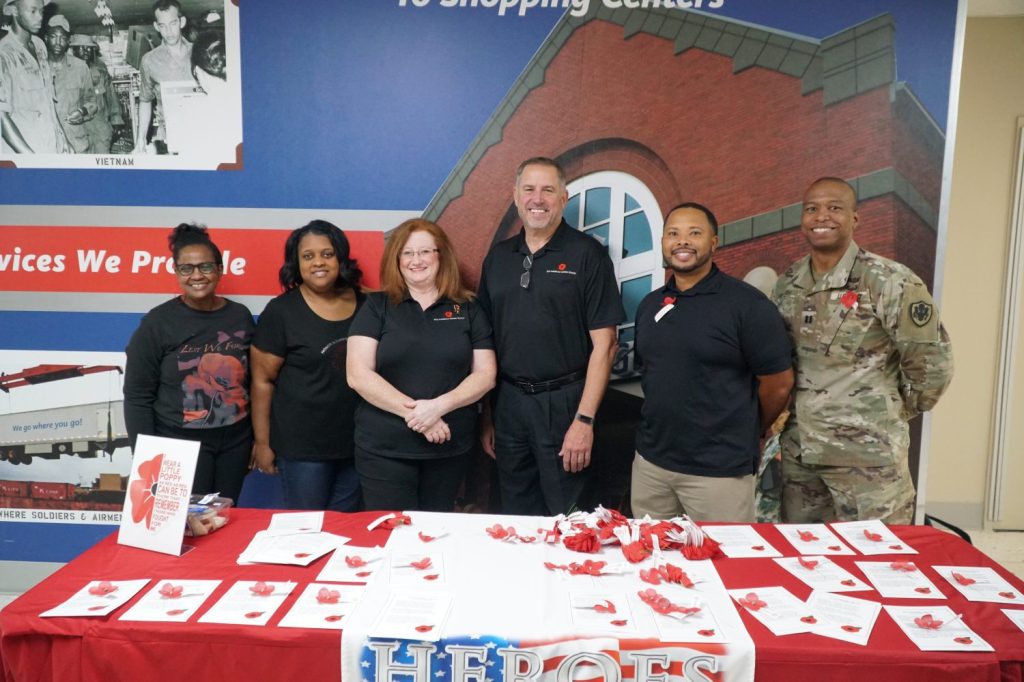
x: 87, y: 649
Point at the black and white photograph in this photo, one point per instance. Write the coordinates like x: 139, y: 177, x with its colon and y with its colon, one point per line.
x: 120, y: 84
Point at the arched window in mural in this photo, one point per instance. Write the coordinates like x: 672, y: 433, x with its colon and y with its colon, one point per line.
x: 619, y: 211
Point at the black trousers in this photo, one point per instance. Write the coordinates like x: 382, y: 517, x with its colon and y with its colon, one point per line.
x: 224, y: 454
x: 528, y: 434
x: 397, y: 484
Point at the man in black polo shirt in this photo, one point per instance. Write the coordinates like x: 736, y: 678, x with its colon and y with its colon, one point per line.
x: 553, y: 301
x: 716, y: 371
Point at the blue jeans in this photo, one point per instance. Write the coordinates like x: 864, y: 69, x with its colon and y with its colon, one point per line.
x: 329, y: 485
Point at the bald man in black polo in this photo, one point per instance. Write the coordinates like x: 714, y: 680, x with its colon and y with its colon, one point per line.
x: 553, y: 301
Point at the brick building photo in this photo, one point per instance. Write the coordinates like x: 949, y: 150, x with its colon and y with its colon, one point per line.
x: 649, y: 108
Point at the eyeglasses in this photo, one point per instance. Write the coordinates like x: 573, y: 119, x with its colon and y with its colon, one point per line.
x: 524, y: 279
x: 187, y: 269
x: 409, y: 254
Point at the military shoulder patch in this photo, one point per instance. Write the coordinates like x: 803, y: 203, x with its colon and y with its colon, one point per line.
x: 921, y: 312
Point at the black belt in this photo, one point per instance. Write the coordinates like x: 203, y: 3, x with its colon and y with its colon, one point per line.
x: 532, y: 387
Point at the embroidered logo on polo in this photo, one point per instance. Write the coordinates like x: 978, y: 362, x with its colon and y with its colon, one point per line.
x: 451, y: 315
x: 561, y: 269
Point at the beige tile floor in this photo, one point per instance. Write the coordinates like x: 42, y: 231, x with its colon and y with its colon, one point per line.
x: 1006, y: 548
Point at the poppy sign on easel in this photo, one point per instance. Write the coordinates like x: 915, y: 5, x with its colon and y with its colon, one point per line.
x: 156, y: 505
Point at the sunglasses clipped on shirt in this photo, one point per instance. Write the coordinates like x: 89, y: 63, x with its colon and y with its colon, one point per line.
x: 186, y: 269
x: 524, y: 279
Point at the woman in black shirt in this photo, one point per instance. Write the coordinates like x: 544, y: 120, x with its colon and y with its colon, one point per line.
x: 302, y: 405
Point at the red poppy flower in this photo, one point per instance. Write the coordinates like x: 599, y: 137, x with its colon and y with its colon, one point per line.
x: 169, y: 591
x: 424, y: 628
x: 588, y: 567
x: 618, y: 623
x: 811, y: 620
x: 561, y: 266
x: 874, y: 537
x: 585, y: 541
x: 497, y: 531
x: 809, y: 564
x: 102, y: 588
x: 1008, y: 595
x: 849, y: 300
x: 668, y: 300
x: 606, y: 607
x: 355, y: 561
x: 635, y: 552
x: 928, y: 622
x: 706, y: 633
x: 752, y: 602
x: 426, y: 538
x: 254, y: 614
x: 706, y: 550
x: 327, y: 596
x: 650, y: 575
x: 963, y: 579
x: 421, y: 565
x: 904, y: 566
x: 432, y: 576
x: 851, y: 628
x: 333, y: 618
x: 447, y: 313
x: 923, y: 590
x: 806, y: 535
x: 676, y: 575
x: 261, y: 589
x: 963, y: 640
x: 142, y: 491
x: 363, y: 574
x: 847, y: 582
x: 527, y: 539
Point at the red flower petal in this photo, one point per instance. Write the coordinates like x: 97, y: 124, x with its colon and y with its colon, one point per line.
x: 904, y: 566
x: 806, y: 535
x: 363, y: 574
x: 261, y: 589
x: 650, y: 575
x: 424, y: 628
x: 619, y: 623
x: 432, y: 576
x: 254, y: 614
x: 421, y: 565
x: 874, y: 537
x: 809, y: 564
x: 426, y: 538
x: 354, y: 561
x: 333, y: 618
x: 606, y: 607
x: 102, y: 588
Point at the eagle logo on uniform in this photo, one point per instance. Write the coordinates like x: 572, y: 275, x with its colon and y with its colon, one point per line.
x: 921, y: 313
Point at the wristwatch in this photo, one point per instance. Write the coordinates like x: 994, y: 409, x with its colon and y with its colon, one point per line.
x: 580, y: 417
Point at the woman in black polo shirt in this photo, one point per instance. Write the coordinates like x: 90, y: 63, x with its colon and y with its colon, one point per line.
x: 302, y: 406
x: 420, y: 354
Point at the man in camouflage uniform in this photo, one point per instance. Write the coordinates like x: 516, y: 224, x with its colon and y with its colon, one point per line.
x: 870, y: 354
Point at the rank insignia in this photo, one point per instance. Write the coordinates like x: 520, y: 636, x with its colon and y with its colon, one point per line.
x: 921, y: 313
